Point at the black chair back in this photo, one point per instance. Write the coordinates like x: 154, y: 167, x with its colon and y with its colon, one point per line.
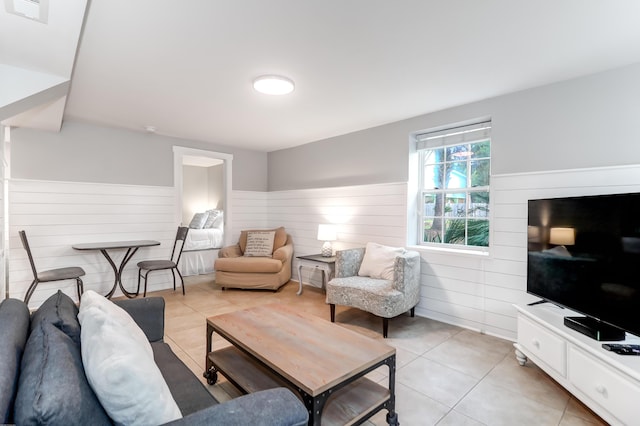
x: 181, y: 236
x: 25, y: 244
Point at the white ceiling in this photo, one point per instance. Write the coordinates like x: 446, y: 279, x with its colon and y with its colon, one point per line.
x: 186, y: 67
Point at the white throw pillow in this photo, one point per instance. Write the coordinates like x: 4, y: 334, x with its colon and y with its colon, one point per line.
x: 259, y: 243
x: 91, y: 299
x: 127, y: 382
x: 378, y: 261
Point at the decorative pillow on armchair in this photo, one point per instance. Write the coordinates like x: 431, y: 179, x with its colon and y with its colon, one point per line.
x: 378, y: 261
x: 259, y: 244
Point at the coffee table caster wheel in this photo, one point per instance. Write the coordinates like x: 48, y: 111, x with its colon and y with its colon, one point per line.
x: 392, y: 419
x: 211, y: 376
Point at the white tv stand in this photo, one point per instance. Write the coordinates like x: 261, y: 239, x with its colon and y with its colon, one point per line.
x: 606, y: 382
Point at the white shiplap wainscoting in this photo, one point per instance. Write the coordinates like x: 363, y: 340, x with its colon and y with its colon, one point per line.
x: 56, y: 215
x: 361, y: 213
x: 478, y: 293
x: 472, y: 291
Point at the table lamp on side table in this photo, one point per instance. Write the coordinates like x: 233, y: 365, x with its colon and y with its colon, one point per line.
x: 327, y: 233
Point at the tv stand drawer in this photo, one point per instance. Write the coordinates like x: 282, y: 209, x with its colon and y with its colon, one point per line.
x: 543, y: 344
x: 604, y: 386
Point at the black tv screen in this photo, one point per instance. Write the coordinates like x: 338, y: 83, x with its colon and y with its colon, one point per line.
x: 583, y: 253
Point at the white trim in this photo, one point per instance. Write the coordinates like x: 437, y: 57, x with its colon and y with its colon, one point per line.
x: 178, y: 153
x: 577, y: 170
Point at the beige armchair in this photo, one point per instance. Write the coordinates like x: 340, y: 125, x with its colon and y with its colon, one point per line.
x: 234, y: 269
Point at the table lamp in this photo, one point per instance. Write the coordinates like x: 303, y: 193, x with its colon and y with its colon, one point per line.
x: 327, y: 233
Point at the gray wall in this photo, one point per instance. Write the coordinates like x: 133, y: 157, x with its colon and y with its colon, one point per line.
x: 585, y: 122
x: 83, y: 152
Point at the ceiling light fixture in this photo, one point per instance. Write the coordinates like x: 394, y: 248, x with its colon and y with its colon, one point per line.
x: 273, y: 85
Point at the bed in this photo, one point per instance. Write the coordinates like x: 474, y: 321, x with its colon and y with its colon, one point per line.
x: 201, y: 250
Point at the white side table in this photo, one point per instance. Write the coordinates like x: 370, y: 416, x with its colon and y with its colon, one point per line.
x: 316, y: 261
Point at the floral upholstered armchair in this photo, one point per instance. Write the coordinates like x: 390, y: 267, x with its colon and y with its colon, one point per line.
x: 384, y: 281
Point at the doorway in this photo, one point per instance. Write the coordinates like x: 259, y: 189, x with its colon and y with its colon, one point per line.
x: 221, y: 196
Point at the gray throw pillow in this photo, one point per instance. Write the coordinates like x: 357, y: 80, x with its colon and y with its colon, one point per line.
x: 53, y: 388
x: 198, y: 221
x: 214, y: 219
x: 14, y: 317
x: 61, y: 311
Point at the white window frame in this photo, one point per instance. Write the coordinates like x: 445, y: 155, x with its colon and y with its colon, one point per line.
x: 454, y: 135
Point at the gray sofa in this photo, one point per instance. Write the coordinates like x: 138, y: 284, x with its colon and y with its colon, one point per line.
x: 42, y: 379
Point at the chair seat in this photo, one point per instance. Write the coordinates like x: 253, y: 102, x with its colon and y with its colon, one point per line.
x: 153, y: 265
x: 72, y: 272
x: 369, y: 294
x: 248, y: 264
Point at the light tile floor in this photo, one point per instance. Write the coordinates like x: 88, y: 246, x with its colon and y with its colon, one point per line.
x: 446, y: 375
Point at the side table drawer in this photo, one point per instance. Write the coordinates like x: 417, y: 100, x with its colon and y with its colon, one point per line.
x: 613, y: 392
x: 543, y: 344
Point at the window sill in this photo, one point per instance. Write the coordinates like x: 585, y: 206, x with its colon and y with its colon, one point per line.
x: 458, y: 251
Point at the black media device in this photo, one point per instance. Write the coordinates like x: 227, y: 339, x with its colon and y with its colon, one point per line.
x: 622, y: 349
x: 583, y: 253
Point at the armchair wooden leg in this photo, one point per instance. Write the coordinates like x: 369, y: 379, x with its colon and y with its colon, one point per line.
x: 413, y: 312
x: 385, y: 327
x: 332, y: 309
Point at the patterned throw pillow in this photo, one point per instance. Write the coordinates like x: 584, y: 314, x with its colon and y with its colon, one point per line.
x: 259, y: 244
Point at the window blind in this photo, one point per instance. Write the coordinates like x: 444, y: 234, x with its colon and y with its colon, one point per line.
x: 454, y: 135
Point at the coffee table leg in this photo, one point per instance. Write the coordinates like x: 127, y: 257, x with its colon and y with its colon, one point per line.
x: 209, y: 372
x: 392, y: 416
x: 314, y: 406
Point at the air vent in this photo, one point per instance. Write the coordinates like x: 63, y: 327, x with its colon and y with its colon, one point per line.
x: 37, y: 10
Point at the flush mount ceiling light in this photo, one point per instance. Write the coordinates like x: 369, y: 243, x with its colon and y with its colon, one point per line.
x: 273, y: 85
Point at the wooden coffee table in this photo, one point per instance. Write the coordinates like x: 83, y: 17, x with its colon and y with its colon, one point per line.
x: 324, y: 363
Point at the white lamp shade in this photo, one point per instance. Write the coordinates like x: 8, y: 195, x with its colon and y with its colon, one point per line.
x: 327, y: 232
x: 562, y: 236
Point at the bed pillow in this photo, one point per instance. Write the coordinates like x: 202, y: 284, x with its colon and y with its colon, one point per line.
x: 259, y: 244
x: 214, y: 220
x: 198, y: 221
x: 378, y: 261
x: 124, y: 377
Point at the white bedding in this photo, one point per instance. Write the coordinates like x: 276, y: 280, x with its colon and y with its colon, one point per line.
x: 203, y: 239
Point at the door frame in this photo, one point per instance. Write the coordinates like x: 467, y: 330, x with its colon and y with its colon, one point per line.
x: 179, y: 152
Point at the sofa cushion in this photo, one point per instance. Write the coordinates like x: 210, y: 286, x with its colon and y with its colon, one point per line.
x: 259, y: 244
x: 378, y: 261
x: 279, y: 240
x: 249, y: 264
x: 14, y: 317
x: 61, y: 311
x: 188, y: 392
x: 53, y: 388
x: 123, y: 375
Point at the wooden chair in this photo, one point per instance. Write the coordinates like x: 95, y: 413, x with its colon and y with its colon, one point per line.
x: 59, y: 274
x: 172, y: 263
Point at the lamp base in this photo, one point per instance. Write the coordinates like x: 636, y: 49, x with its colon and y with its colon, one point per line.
x: 327, y: 250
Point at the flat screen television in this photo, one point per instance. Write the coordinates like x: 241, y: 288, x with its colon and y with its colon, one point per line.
x: 583, y: 253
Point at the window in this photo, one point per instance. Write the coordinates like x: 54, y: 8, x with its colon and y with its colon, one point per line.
x: 454, y: 174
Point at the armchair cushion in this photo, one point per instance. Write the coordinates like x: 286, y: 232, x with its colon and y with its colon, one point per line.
x: 248, y: 264
x: 378, y: 261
